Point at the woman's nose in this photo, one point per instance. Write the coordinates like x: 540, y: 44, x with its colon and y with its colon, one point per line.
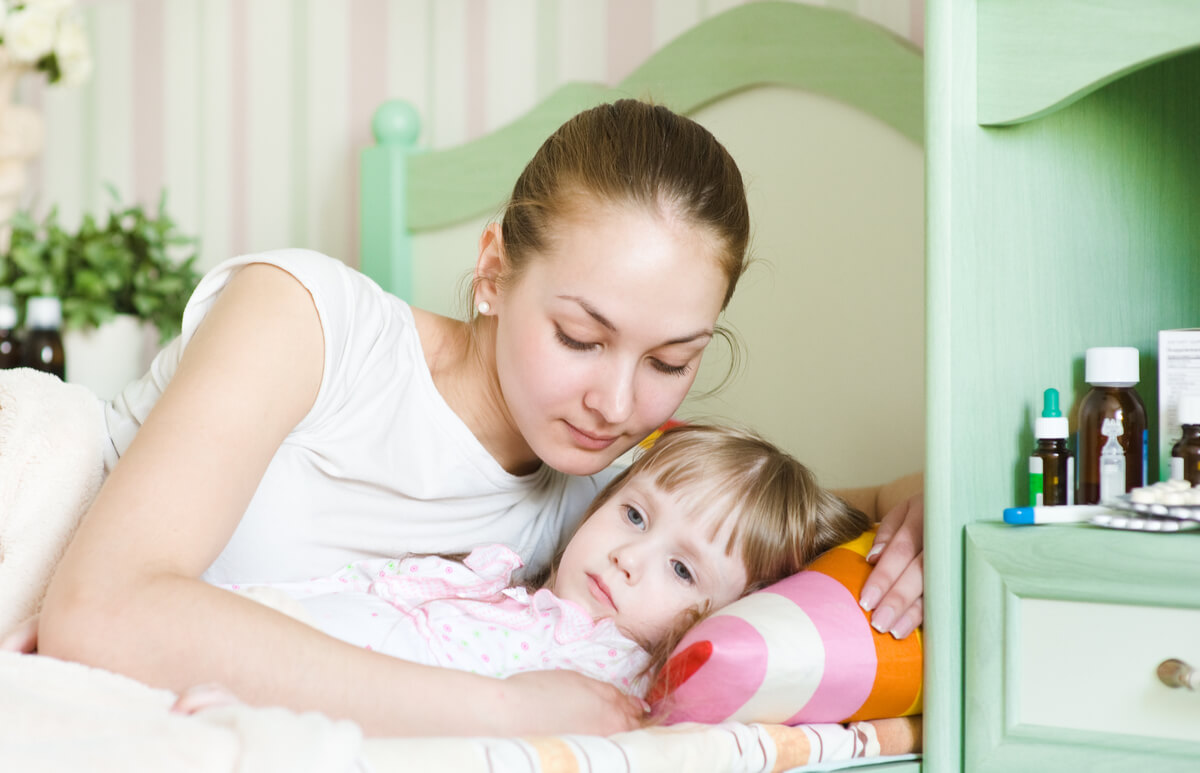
x: 611, y: 394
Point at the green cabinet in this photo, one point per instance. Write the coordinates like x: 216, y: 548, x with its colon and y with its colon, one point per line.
x: 1063, y: 212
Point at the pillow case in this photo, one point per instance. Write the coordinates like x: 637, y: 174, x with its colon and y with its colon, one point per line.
x: 797, y: 652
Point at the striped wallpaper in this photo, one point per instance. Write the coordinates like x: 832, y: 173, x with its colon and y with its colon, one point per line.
x: 251, y: 113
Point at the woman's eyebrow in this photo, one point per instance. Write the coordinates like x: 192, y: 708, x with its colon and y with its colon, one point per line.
x: 592, y: 311
x: 595, y: 314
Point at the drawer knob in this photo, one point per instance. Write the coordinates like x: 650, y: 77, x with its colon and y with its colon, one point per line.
x: 1176, y: 673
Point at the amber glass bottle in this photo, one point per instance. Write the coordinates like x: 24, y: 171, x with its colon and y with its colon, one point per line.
x: 10, y: 345
x: 43, y: 346
x: 1113, y: 440
x: 1185, y: 454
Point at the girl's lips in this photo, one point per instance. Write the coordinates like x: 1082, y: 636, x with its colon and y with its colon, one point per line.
x: 600, y: 591
x: 589, y: 441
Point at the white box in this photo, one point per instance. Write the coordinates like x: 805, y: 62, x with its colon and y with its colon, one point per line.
x: 1178, y: 373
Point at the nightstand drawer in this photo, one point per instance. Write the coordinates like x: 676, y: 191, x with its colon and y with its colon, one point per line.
x: 1092, y: 666
x: 1064, y: 630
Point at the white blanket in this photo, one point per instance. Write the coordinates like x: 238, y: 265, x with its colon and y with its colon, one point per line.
x: 51, y: 465
x: 59, y: 716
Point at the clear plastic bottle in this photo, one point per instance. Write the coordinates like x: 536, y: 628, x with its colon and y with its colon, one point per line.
x: 1185, y: 454
x: 1113, y: 440
x: 43, y: 346
x: 1051, y: 468
x: 10, y: 344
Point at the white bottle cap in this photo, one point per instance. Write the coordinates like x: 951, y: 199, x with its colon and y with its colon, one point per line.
x: 1111, y: 366
x: 1050, y: 427
x: 43, y: 311
x: 1189, y: 408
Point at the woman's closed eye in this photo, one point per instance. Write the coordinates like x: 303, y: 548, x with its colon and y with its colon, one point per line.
x: 573, y: 343
x: 669, y: 369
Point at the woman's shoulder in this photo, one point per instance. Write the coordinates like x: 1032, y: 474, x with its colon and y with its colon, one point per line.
x: 319, y: 273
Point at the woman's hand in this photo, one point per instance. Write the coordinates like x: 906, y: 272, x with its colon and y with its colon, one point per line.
x: 23, y: 638
x: 549, y: 702
x: 895, y: 588
x: 204, y: 696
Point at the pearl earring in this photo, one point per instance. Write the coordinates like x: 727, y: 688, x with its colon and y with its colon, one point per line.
x: 484, y: 307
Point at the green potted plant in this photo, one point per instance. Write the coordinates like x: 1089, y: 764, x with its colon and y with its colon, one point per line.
x: 117, y: 279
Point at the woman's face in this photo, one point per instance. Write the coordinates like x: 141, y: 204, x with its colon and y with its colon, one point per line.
x: 599, y: 339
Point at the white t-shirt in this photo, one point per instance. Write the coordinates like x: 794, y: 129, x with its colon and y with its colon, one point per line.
x: 381, y: 466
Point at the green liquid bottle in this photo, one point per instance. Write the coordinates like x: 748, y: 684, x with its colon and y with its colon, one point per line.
x: 1051, y: 466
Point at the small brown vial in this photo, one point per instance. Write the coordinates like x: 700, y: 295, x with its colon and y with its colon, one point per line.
x: 43, y: 346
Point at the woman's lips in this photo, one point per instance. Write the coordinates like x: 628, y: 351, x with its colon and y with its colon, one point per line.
x: 600, y: 591
x: 590, y: 441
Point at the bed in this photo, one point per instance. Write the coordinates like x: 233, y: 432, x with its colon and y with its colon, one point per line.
x: 823, y: 112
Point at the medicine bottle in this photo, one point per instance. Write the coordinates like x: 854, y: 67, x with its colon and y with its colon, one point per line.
x: 1051, y: 467
x: 10, y: 344
x: 1113, y: 441
x: 43, y: 347
x: 1185, y: 454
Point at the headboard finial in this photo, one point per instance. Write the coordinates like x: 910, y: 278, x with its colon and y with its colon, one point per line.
x: 396, y: 122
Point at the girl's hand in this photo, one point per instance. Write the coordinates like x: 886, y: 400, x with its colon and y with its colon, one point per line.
x: 549, y: 702
x: 23, y: 638
x: 895, y: 587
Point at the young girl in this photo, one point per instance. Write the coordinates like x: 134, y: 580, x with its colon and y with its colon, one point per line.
x: 702, y: 517
x: 305, y: 419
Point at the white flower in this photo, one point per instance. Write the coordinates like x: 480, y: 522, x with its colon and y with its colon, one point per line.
x: 72, y: 42
x: 75, y: 71
x: 29, y: 33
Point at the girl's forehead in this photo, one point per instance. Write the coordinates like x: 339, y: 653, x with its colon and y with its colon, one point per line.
x: 709, y: 508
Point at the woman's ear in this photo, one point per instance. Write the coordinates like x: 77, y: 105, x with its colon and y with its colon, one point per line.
x: 489, y: 266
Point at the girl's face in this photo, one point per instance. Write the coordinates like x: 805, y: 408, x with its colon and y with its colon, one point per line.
x: 599, y: 339
x: 647, y: 555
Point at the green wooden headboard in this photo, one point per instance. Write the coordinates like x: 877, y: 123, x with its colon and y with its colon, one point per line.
x: 824, y: 113
x: 826, y: 52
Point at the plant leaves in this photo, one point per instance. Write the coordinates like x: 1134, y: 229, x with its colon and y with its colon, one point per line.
x: 131, y: 263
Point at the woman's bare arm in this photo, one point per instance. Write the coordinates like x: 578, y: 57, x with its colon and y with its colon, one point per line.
x: 126, y: 596
x: 878, y: 501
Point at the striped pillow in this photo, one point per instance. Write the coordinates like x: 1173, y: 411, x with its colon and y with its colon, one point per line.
x: 798, y: 652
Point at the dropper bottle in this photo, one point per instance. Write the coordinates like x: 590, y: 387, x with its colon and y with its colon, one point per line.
x: 1051, y: 467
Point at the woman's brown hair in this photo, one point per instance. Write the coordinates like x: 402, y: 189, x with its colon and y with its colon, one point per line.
x: 630, y: 152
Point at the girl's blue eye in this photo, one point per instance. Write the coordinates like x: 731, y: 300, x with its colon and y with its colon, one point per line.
x: 681, y: 571
x: 634, y: 517
x: 571, y: 343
